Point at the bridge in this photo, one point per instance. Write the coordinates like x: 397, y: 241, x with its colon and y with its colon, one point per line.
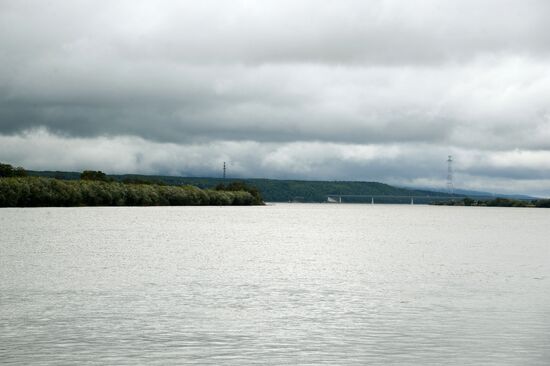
x: 337, y: 198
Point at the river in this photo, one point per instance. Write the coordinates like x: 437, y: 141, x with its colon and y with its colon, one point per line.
x: 280, y: 284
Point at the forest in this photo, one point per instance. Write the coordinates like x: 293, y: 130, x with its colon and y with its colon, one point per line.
x: 96, y: 189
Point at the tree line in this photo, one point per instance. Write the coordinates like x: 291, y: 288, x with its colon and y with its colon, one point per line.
x: 496, y: 202
x: 272, y: 190
x: 97, y: 189
x: 6, y: 170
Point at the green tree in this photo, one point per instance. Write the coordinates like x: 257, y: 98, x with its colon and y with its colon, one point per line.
x: 94, y: 175
x: 542, y: 203
x: 468, y: 201
x: 242, y: 187
x: 6, y: 171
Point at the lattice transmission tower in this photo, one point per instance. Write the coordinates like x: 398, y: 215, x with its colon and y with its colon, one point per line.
x: 450, y: 187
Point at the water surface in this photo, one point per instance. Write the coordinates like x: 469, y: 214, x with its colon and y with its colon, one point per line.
x: 282, y: 284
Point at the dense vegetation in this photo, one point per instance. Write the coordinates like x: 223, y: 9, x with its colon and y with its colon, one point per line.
x: 308, y: 191
x: 273, y: 190
x: 95, y: 188
x: 94, y: 175
x: 241, y: 187
x: 6, y: 170
x: 497, y: 202
x: 37, y: 191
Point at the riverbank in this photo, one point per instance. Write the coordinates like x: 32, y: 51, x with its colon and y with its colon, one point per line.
x: 496, y: 202
x: 51, y: 192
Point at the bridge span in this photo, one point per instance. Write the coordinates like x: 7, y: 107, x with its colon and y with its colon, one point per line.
x: 340, y: 198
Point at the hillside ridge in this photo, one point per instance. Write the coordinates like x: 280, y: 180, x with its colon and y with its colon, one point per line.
x: 272, y: 190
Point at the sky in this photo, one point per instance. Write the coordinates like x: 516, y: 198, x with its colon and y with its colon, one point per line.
x: 367, y: 90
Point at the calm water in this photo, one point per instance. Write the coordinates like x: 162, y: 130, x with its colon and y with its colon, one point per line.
x: 282, y: 284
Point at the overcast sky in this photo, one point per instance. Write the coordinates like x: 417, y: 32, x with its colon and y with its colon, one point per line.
x: 332, y: 90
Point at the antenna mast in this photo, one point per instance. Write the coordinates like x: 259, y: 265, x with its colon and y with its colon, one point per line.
x: 224, y: 170
x: 450, y: 187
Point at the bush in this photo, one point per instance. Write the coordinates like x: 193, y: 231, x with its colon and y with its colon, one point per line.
x: 542, y: 203
x: 37, y: 191
x: 94, y: 175
x: 242, y: 187
x: 8, y: 171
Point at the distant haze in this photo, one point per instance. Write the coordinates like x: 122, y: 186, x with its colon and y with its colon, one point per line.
x: 332, y: 90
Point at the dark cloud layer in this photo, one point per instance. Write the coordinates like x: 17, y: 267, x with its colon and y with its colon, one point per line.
x: 378, y: 90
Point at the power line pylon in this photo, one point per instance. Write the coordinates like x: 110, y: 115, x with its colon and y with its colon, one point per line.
x: 450, y: 186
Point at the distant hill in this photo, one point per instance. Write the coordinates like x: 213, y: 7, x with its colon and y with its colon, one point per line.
x: 474, y: 194
x: 485, y: 194
x: 274, y: 190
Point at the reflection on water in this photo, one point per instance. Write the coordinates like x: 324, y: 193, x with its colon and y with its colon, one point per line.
x: 282, y: 284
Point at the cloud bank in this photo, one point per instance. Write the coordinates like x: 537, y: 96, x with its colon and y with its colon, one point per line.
x: 347, y: 90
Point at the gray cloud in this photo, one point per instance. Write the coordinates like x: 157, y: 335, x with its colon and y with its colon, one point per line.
x: 378, y: 31
x: 289, y: 88
x: 459, y: 105
x: 401, y: 164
